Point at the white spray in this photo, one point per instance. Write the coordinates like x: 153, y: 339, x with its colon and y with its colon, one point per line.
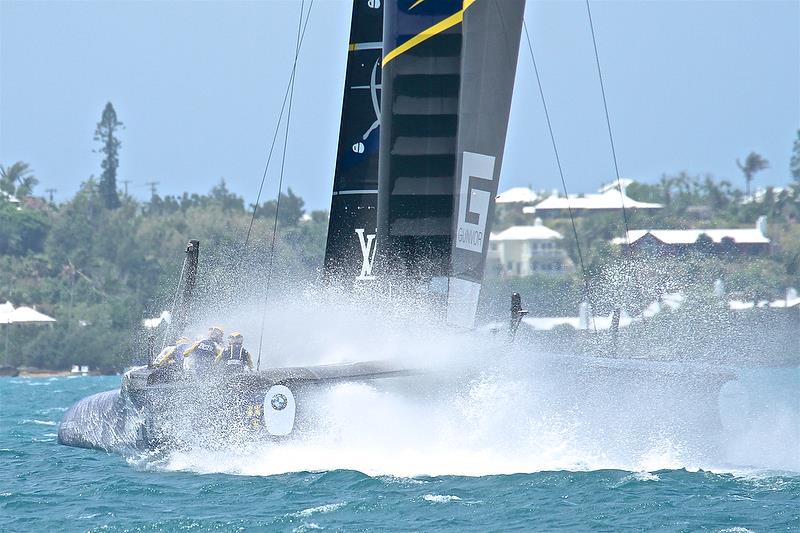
x: 483, y: 407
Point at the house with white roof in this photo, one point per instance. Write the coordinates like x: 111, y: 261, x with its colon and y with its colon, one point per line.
x: 518, y: 195
x: 10, y: 198
x: 609, y: 198
x: 522, y: 250
x: 675, y: 241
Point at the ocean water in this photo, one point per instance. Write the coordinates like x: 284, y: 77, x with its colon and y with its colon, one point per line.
x: 417, y: 478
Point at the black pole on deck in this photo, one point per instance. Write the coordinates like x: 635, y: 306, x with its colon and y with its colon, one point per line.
x: 615, y: 328
x: 189, y: 282
x: 517, y: 312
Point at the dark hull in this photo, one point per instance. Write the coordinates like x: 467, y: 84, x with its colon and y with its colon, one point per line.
x: 153, y: 409
x: 150, y: 412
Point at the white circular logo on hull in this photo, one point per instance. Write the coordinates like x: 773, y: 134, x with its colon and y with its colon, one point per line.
x: 279, y: 410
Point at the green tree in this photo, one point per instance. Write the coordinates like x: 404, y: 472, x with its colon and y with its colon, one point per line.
x: 106, y: 135
x: 291, y: 209
x: 18, y: 179
x: 22, y: 230
x: 222, y: 196
x: 794, y: 163
x: 753, y: 164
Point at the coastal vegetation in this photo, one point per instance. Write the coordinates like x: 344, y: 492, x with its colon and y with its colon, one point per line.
x: 604, y: 276
x: 102, y: 260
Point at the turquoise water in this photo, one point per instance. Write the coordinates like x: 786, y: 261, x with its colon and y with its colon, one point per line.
x: 47, y: 487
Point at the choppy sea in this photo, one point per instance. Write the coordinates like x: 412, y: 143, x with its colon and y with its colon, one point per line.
x: 48, y: 487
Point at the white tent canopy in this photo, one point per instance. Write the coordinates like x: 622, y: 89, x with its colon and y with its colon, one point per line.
x: 5, y: 312
x: 28, y: 315
x: 21, y: 315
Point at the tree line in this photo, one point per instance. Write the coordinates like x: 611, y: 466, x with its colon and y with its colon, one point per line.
x: 102, y: 260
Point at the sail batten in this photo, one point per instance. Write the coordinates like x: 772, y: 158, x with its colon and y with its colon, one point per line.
x: 448, y: 75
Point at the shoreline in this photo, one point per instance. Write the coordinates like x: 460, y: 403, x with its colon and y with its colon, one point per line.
x: 31, y: 373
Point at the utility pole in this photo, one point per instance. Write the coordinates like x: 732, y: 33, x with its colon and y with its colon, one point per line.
x: 50, y: 192
x: 153, y: 185
x: 125, y: 183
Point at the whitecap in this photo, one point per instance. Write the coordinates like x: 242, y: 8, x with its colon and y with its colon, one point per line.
x: 645, y: 476
x: 441, y: 498
x: 636, y: 476
x: 327, y: 508
x: 40, y: 422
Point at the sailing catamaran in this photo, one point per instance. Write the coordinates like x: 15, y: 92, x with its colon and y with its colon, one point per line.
x: 425, y: 111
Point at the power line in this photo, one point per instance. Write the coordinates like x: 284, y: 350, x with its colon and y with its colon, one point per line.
x: 153, y: 187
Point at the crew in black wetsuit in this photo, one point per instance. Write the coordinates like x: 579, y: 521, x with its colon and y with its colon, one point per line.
x: 235, y: 358
x: 201, y: 355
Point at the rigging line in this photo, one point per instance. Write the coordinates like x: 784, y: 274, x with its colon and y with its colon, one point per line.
x: 560, y: 171
x: 174, y: 303
x: 280, y: 180
x: 608, y: 123
x: 277, y: 129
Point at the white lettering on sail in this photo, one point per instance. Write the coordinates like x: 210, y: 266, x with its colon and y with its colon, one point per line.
x: 368, y: 247
x: 374, y: 4
x: 473, y: 203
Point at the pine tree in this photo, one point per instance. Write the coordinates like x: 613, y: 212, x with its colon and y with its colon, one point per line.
x: 105, y: 134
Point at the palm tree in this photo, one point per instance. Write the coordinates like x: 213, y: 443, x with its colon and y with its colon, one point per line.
x: 753, y: 163
x: 18, y: 179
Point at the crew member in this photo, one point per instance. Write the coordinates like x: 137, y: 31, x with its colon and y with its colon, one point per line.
x: 235, y: 357
x: 169, y: 355
x: 201, y: 355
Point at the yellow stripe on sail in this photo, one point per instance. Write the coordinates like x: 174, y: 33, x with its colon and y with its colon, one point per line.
x: 427, y: 33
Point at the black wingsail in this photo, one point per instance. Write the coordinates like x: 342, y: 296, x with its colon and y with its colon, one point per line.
x: 448, y: 76
x: 351, y: 244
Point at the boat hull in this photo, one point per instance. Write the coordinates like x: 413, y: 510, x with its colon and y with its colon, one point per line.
x: 166, y: 409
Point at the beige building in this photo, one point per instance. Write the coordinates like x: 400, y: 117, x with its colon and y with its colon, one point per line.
x: 523, y: 250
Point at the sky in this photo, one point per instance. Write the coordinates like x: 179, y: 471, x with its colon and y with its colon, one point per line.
x: 691, y: 86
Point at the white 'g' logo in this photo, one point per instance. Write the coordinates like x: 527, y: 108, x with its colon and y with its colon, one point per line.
x: 473, y: 203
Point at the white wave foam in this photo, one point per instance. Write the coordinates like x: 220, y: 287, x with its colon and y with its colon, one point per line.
x: 327, y: 508
x: 40, y: 422
x: 441, y: 498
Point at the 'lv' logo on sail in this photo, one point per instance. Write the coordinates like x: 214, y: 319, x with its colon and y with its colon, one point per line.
x: 368, y: 247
